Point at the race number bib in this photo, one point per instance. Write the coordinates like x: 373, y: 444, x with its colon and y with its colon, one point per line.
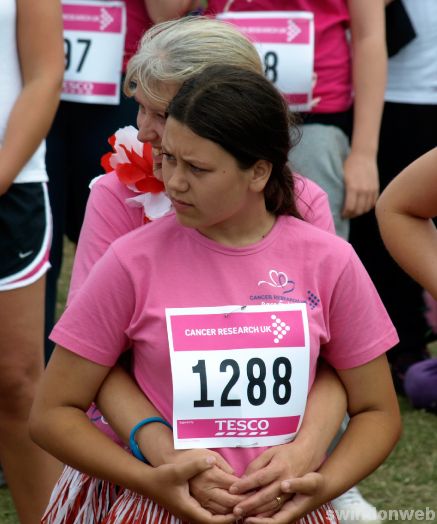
x: 240, y: 375
x: 94, y: 33
x: 285, y: 42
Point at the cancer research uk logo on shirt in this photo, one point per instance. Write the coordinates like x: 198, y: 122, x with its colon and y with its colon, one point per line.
x: 280, y: 281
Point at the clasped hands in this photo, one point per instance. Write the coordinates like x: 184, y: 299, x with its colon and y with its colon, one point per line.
x: 275, y: 488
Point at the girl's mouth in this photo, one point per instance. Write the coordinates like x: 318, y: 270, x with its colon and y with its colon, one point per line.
x: 180, y: 205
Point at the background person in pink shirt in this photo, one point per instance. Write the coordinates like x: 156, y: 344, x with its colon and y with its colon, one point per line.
x: 236, y: 219
x: 340, y: 133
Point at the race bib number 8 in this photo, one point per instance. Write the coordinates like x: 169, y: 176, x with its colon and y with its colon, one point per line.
x: 94, y: 33
x: 285, y: 43
x: 240, y: 375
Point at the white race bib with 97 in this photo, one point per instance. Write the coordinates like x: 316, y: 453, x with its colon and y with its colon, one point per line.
x: 94, y: 33
x: 285, y: 42
x: 240, y: 374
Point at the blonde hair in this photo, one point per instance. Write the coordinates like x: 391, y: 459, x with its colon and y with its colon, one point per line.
x: 171, y: 52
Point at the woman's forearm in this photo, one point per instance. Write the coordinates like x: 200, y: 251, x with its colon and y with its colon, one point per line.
x: 68, y: 434
x: 123, y: 405
x: 325, y: 410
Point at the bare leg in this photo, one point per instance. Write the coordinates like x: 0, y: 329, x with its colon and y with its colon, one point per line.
x: 30, y: 472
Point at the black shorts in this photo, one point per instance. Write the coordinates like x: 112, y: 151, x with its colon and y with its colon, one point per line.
x: 25, y: 234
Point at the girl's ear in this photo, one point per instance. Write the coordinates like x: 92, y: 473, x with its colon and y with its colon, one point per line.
x: 261, y: 172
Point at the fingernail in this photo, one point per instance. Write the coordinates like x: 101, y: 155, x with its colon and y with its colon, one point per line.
x: 210, y: 460
x: 285, y: 486
x: 238, y: 512
x: 233, y: 490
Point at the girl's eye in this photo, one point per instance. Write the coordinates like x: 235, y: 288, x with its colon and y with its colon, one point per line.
x: 195, y: 169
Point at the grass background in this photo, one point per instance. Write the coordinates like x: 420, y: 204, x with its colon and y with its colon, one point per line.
x: 406, y: 480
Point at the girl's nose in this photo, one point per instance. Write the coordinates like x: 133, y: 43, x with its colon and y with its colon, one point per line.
x: 176, y: 181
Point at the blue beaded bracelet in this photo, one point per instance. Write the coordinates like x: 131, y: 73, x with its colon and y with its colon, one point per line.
x: 133, y: 443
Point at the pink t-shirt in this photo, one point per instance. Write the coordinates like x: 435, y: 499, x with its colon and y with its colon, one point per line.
x: 122, y: 304
x: 108, y: 217
x: 332, y: 60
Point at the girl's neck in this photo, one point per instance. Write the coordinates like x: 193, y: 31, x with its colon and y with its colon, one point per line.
x: 237, y: 235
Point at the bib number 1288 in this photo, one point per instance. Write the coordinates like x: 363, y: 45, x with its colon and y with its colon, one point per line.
x: 256, y: 372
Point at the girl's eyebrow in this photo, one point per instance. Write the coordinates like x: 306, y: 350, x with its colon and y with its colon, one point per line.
x: 188, y: 159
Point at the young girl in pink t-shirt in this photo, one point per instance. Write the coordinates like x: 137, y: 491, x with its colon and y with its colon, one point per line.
x: 124, y: 200
x: 234, y: 253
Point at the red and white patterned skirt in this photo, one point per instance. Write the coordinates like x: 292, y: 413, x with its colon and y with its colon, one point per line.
x: 80, y: 499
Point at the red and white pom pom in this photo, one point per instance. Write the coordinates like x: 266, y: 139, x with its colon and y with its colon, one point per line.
x: 132, y: 162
